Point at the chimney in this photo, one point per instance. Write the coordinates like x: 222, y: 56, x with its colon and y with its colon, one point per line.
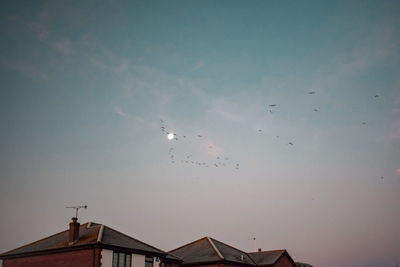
x: 73, y: 230
x: 259, y: 249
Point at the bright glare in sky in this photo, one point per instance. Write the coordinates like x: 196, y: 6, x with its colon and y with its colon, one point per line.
x: 170, y: 136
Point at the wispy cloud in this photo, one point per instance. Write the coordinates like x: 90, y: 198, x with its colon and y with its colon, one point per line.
x: 63, y: 46
x: 120, y: 112
x: 198, y: 66
x: 25, y: 68
x: 40, y: 30
x: 227, y: 110
x: 211, y: 148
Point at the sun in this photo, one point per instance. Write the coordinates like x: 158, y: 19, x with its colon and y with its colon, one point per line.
x: 170, y: 136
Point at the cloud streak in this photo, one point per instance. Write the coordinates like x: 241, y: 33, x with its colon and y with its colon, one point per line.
x: 63, y: 46
x: 120, y: 112
x: 26, y: 68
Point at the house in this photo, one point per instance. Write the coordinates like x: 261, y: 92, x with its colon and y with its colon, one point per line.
x: 94, y: 245
x: 88, y: 245
x: 209, y: 252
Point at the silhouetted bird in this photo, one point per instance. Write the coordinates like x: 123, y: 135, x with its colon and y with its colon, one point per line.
x: 199, y: 135
x: 311, y: 92
x: 272, y: 105
x: 259, y: 130
x: 290, y: 143
x: 315, y: 109
x: 376, y: 96
x: 363, y: 123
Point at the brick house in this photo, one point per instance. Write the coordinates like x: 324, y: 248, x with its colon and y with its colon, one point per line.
x: 208, y: 252
x: 88, y: 245
x: 94, y: 245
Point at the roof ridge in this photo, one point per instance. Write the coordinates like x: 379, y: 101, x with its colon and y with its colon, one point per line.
x: 229, y: 245
x: 135, y: 239
x: 215, y: 248
x: 247, y: 254
x: 187, y: 244
x: 274, y: 250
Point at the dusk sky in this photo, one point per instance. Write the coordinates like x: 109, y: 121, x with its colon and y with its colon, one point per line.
x: 87, y: 85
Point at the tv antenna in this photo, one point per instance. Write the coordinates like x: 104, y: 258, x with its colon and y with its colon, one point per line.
x: 76, y: 209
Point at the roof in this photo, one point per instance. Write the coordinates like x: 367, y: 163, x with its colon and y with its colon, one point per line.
x: 207, y: 250
x: 266, y: 257
x: 89, y: 234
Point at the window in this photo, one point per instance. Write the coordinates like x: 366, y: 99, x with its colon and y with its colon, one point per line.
x: 148, y: 262
x: 121, y: 259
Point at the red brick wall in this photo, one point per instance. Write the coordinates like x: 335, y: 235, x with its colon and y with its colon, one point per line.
x: 79, y: 258
x: 284, y: 262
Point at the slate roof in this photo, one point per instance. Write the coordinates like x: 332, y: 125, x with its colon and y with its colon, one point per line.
x: 266, y: 257
x: 89, y: 234
x: 207, y: 250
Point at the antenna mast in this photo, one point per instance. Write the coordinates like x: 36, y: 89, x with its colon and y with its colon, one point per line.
x: 76, y: 209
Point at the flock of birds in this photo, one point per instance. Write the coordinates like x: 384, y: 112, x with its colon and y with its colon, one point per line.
x: 271, y: 107
x: 218, y: 161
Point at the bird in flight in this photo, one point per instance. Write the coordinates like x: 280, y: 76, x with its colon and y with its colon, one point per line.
x: 363, y: 123
x: 270, y: 111
x: 376, y: 96
x: 311, y: 92
x: 290, y: 143
x: 199, y: 135
x: 259, y: 130
x: 272, y: 105
x: 315, y: 109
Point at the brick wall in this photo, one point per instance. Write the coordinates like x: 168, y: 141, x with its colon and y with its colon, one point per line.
x: 79, y: 258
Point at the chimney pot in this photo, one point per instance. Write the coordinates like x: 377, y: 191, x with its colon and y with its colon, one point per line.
x: 259, y: 249
x: 74, y: 230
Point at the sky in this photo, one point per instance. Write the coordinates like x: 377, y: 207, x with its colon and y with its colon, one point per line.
x: 90, y: 89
